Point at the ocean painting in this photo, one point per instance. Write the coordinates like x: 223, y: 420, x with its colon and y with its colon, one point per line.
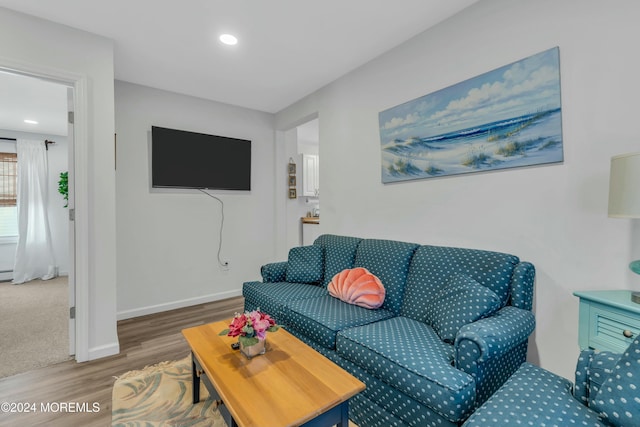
x: 508, y: 117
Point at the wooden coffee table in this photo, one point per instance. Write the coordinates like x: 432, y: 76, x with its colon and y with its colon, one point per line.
x: 290, y: 385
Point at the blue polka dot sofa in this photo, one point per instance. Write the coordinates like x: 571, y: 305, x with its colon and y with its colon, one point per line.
x: 453, y: 327
x: 606, y: 393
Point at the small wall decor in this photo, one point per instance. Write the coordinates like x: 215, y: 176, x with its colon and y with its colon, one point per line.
x: 508, y: 117
x: 291, y: 169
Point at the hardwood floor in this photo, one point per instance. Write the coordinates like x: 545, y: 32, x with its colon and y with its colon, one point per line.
x: 143, y: 341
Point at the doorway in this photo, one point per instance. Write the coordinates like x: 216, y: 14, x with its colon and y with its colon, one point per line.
x: 303, y: 211
x: 49, y: 103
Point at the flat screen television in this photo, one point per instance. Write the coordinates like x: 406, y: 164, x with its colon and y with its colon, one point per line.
x: 181, y: 159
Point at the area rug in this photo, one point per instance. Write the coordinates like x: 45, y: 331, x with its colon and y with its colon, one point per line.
x: 161, y: 396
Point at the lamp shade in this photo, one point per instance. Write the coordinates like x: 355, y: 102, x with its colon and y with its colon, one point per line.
x: 624, y: 186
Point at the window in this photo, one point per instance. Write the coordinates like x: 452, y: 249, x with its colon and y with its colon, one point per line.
x: 8, y: 175
x: 8, y: 194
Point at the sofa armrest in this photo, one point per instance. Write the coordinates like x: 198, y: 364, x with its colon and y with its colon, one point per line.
x: 581, y: 386
x: 274, y: 272
x: 592, y: 370
x: 524, y: 275
x: 492, y: 349
x: 493, y: 336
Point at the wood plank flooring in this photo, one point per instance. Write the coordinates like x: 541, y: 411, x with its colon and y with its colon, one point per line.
x: 143, y: 341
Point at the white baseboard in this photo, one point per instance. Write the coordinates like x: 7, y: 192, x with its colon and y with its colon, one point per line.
x: 158, y: 308
x: 104, y: 351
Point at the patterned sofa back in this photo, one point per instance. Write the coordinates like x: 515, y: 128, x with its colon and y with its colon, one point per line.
x: 339, y: 254
x: 413, y: 274
x: 389, y: 260
x: 432, y: 267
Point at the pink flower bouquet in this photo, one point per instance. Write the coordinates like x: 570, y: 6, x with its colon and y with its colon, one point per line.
x: 251, y: 327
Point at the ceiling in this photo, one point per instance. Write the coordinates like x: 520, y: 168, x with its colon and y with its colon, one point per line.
x: 32, y: 99
x: 287, y: 48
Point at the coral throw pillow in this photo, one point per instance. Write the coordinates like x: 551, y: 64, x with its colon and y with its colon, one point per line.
x: 357, y: 286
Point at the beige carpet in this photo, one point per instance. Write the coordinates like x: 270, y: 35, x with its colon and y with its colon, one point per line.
x: 34, y: 326
x: 161, y: 396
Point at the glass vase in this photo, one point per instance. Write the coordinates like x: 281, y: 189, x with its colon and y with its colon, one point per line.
x: 254, y: 350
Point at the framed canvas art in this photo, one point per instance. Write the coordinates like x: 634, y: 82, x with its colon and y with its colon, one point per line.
x: 509, y: 117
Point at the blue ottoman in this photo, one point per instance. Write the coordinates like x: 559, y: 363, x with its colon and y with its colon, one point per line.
x: 606, y: 393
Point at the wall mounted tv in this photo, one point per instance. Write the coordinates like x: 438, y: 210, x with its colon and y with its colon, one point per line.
x: 181, y: 159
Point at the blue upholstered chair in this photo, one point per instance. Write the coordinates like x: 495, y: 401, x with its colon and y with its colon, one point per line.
x: 606, y: 393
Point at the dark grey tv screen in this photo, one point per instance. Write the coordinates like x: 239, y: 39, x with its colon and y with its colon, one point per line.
x: 181, y: 159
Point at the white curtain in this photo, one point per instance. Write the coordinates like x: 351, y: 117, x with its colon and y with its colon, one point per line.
x: 34, y: 252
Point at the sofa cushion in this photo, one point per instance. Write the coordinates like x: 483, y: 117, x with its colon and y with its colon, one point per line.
x: 377, y: 392
x: 409, y: 356
x: 462, y: 301
x: 271, y: 297
x: 389, y: 261
x: 357, y: 286
x: 432, y: 266
x: 322, y: 318
x: 305, y: 264
x: 533, y: 396
x: 339, y: 253
x: 618, y: 400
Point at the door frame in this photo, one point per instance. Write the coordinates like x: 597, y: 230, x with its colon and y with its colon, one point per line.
x: 78, y: 197
x: 71, y: 232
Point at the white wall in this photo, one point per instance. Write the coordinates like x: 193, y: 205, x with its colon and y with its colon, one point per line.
x: 43, y: 47
x: 554, y: 216
x: 58, y: 161
x: 168, y: 239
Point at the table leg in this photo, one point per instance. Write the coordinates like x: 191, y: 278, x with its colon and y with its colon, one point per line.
x: 195, y: 380
x: 337, y: 416
x: 344, y: 419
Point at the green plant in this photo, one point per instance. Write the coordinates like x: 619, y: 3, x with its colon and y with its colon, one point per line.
x: 63, y: 187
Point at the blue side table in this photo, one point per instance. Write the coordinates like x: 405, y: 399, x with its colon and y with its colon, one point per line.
x: 608, y: 320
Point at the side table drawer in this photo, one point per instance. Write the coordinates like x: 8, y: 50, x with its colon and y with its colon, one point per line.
x: 611, y: 330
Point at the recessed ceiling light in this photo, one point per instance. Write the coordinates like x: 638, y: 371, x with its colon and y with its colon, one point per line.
x: 229, y: 39
x: 31, y: 122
